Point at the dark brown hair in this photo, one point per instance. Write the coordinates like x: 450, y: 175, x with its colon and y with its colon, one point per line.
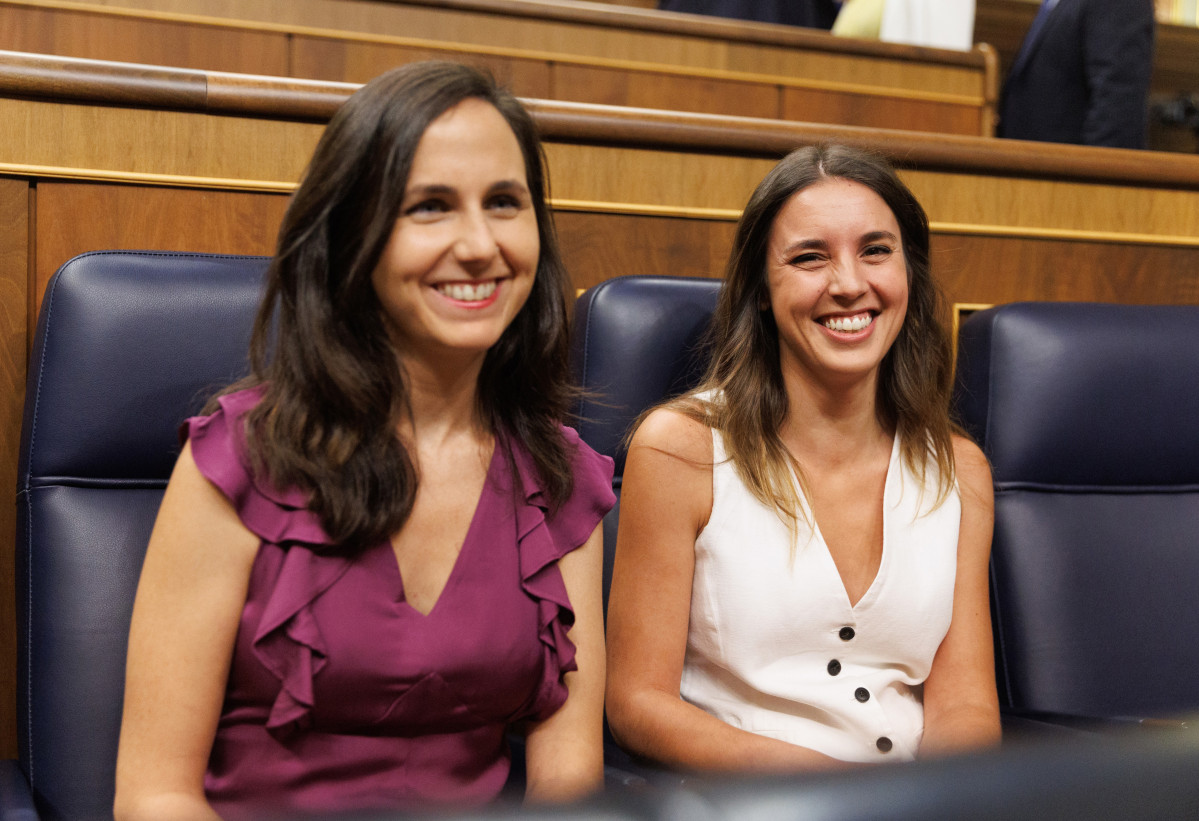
x: 915, y: 375
x: 333, y: 391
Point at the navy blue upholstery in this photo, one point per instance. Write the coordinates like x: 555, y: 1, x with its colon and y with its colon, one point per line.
x: 128, y: 344
x: 636, y: 342
x: 1089, y: 414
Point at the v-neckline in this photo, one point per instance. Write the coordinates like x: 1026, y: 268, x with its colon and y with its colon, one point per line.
x: 828, y: 554
x: 450, y: 580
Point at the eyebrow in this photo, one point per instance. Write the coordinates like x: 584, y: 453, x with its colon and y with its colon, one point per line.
x: 804, y: 245
x: 814, y: 243
x: 875, y: 236
x: 507, y: 185
x: 441, y: 190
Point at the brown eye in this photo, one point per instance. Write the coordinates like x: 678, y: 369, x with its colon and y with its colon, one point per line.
x: 504, y: 203
x: 429, y: 206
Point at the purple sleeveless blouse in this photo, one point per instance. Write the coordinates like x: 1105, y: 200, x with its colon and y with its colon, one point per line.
x: 341, y: 696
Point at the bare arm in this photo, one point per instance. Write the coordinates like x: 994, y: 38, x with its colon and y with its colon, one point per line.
x: 565, y: 753
x: 961, y: 707
x: 185, y: 617
x: 665, y: 503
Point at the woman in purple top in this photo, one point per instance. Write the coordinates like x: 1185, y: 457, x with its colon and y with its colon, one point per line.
x: 380, y: 552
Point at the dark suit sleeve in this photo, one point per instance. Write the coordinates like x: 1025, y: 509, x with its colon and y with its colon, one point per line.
x: 1118, y: 50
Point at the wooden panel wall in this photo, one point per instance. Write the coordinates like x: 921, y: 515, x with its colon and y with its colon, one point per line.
x: 206, y: 161
x: 587, y: 29
x: 142, y: 39
x: 74, y: 217
x: 817, y: 77
x: 15, y: 309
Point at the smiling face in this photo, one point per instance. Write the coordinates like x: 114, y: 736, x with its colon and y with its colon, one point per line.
x: 461, y: 259
x: 838, y: 282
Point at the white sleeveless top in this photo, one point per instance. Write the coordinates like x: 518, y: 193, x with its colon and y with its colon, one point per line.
x: 773, y: 645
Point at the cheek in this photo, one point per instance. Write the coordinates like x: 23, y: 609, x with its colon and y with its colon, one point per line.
x: 523, y: 245
x: 794, y: 294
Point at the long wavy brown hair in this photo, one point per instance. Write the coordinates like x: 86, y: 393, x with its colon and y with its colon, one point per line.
x: 333, y: 390
x: 748, y: 401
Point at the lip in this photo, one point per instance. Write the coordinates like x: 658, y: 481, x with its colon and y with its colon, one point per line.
x: 848, y: 336
x: 471, y: 304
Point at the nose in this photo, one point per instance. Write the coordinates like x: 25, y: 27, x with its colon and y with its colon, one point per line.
x: 475, y: 243
x: 847, y: 280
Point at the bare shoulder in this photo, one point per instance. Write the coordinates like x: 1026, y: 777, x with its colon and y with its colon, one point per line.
x: 196, y: 521
x: 973, y: 469
x: 978, y: 504
x: 674, y: 433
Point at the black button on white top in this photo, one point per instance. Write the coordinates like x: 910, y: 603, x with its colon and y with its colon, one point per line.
x: 883, y: 744
x: 834, y: 667
x: 846, y: 633
x: 862, y: 694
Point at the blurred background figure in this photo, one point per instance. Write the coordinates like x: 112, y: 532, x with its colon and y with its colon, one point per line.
x: 937, y: 23
x: 1082, y: 75
x: 810, y: 13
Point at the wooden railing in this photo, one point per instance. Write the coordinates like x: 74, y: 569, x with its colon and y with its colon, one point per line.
x: 582, y: 52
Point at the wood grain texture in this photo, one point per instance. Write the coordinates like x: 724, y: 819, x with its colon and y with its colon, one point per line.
x: 142, y: 40
x: 992, y: 270
x: 540, y: 22
x: 598, y: 247
x: 878, y: 111
x: 74, y: 217
x: 607, y: 86
x: 154, y: 141
x: 701, y: 133
x: 331, y: 58
x: 687, y: 159
x: 881, y: 70
x: 1013, y: 202
x: 338, y: 55
x: 63, y: 79
x: 14, y: 288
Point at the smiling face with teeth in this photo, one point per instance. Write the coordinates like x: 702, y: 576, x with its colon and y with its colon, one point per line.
x: 838, y: 282
x: 461, y: 259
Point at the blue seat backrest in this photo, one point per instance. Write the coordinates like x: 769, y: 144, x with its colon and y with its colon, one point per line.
x: 1089, y: 414
x: 637, y: 341
x: 128, y: 345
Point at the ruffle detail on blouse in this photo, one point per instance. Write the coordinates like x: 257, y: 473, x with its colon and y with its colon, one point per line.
x: 542, y: 539
x: 219, y: 449
x: 288, y: 641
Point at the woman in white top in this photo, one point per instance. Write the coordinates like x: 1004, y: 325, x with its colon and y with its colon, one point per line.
x: 801, y: 570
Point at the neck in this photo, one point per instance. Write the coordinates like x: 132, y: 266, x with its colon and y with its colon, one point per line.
x: 443, y: 403
x: 830, y: 424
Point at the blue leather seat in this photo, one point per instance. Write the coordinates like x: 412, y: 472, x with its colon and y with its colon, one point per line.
x: 127, y: 346
x: 637, y: 341
x: 1089, y: 414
